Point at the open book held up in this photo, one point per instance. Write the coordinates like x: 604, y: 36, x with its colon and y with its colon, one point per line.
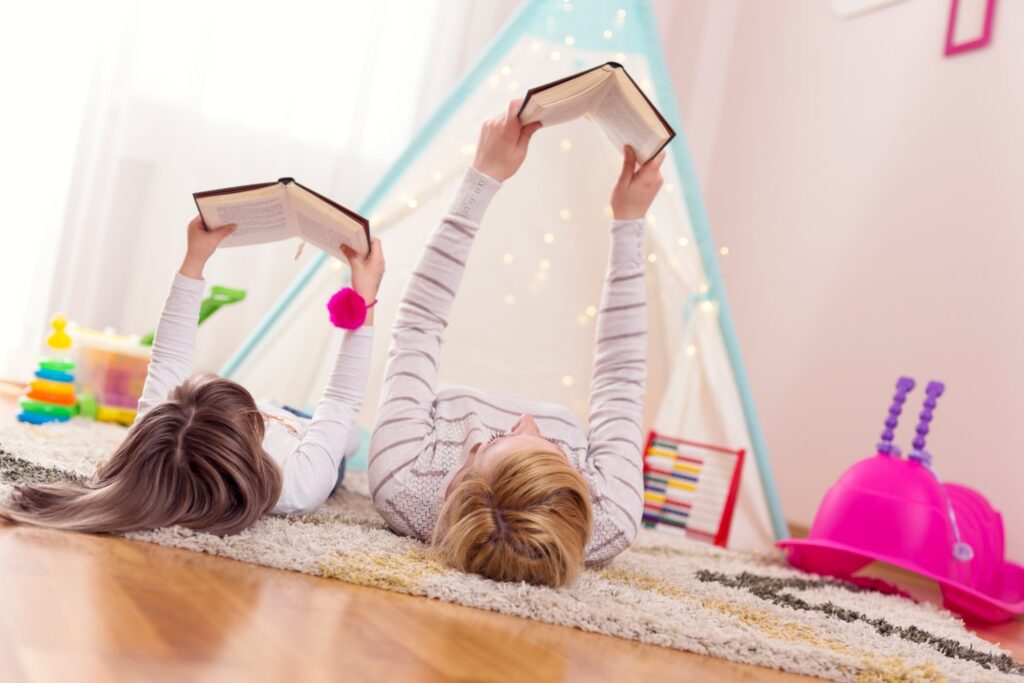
x: 269, y: 212
x: 608, y: 95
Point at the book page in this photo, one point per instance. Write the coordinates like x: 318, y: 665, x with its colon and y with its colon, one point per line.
x: 325, y: 226
x: 624, y: 125
x: 566, y: 101
x: 562, y: 111
x: 261, y: 215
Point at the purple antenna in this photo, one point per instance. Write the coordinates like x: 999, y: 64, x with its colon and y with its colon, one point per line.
x: 932, y: 393
x: 903, y: 386
x: 962, y: 551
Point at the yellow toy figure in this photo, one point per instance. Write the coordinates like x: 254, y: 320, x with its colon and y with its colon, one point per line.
x: 51, y: 395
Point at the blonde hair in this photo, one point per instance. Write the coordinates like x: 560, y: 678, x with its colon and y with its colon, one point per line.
x: 196, y: 460
x: 527, y: 518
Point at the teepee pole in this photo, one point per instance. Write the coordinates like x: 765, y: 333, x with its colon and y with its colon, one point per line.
x: 513, y: 29
x: 705, y: 243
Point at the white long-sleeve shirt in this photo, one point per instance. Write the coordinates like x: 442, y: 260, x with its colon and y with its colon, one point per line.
x: 309, y: 452
x: 423, y: 435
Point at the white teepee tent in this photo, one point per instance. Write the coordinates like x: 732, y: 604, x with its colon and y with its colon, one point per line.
x: 523, y: 321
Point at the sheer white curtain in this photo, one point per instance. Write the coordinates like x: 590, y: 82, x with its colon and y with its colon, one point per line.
x: 131, y: 107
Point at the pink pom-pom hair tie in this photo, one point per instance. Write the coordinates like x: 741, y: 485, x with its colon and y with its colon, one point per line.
x: 348, y: 308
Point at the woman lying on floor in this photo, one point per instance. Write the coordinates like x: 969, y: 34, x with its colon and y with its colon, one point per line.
x: 507, y: 488
x: 202, y: 453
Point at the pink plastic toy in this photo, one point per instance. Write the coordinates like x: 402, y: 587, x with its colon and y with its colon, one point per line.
x: 895, y: 510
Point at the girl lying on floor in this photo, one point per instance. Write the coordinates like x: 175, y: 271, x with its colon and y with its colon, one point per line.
x: 202, y: 453
x: 504, y: 487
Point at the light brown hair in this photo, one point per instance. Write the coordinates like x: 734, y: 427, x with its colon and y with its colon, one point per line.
x: 196, y: 460
x: 526, y: 518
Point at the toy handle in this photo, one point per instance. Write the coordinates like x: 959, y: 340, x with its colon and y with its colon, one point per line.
x: 932, y: 393
x: 903, y: 387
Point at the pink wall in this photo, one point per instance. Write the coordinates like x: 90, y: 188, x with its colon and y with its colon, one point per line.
x: 870, y: 192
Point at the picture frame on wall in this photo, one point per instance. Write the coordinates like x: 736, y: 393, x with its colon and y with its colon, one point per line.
x: 970, y: 25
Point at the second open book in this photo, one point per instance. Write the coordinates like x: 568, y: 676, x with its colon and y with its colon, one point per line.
x: 610, y: 97
x: 269, y: 212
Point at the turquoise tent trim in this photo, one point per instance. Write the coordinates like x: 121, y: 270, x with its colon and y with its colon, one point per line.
x: 587, y: 23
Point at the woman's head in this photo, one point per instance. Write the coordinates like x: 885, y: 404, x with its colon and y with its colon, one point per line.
x: 195, y: 460
x: 517, y: 515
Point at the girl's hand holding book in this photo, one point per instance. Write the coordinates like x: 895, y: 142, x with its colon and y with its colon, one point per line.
x: 503, y: 143
x: 201, y: 245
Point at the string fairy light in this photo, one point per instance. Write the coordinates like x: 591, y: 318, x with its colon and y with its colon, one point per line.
x: 565, y: 214
x: 566, y: 380
x: 535, y: 46
x: 724, y: 251
x: 651, y: 218
x: 509, y: 299
x: 506, y: 70
x: 653, y: 258
x: 508, y: 259
x: 437, y: 176
x: 620, y: 16
x: 566, y: 144
x: 703, y: 289
x: 707, y: 306
x: 591, y: 310
x: 607, y: 34
x: 549, y: 238
x: 669, y: 187
x: 412, y: 203
x: 682, y: 241
x: 545, y: 264
x: 691, y: 350
x: 570, y: 41
x: 336, y: 264
x: 493, y: 81
x: 581, y: 319
x: 555, y: 56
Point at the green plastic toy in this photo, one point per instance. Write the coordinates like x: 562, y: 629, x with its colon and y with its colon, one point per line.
x: 219, y: 297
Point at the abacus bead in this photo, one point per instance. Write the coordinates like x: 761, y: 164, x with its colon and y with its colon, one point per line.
x: 891, y: 423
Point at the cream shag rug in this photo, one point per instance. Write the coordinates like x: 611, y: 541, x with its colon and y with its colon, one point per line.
x: 665, y: 591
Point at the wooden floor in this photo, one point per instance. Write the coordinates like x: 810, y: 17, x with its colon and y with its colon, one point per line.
x: 75, y: 607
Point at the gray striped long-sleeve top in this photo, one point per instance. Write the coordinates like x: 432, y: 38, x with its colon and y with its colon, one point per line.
x: 423, y: 435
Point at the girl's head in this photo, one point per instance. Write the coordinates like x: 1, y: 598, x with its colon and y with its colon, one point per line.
x: 195, y: 460
x: 518, y: 512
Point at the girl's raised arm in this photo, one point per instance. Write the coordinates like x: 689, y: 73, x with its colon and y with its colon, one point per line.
x: 620, y: 364
x: 310, y: 472
x: 175, y: 341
